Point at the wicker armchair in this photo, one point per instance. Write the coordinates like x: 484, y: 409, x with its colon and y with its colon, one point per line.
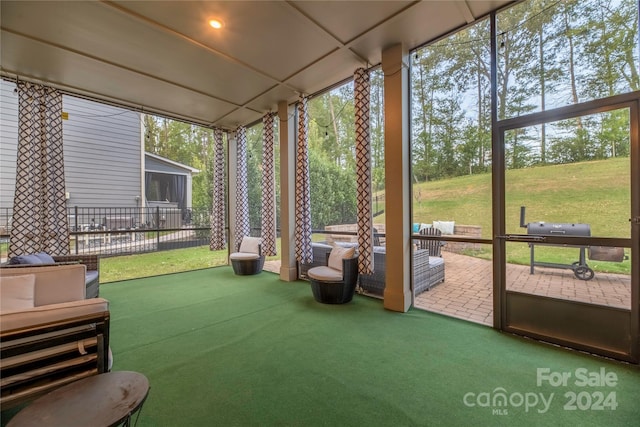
x: 427, y: 272
x: 320, y: 252
x: 90, y: 261
x: 434, y: 246
x: 332, y: 285
x: 436, y: 262
x: 249, y: 259
x: 51, y: 334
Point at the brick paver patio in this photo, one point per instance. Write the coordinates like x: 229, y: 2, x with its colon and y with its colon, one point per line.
x: 467, y: 291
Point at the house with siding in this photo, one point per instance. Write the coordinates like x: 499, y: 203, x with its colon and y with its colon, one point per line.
x: 168, y: 186
x: 105, y: 162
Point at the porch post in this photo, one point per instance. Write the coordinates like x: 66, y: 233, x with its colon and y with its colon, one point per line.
x: 288, y: 267
x: 397, y: 292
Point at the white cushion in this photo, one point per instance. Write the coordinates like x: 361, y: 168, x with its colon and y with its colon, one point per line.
x: 423, y: 226
x: 17, y: 292
x: 250, y: 244
x: 238, y: 256
x: 54, y: 283
x: 445, y: 227
x: 435, y: 261
x: 337, y: 255
x: 325, y: 274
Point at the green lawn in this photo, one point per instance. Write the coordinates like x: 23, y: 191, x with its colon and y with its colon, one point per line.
x: 595, y: 193
x: 113, y: 269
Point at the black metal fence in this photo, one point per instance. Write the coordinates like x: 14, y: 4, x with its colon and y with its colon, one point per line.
x: 120, y: 231
x: 123, y: 231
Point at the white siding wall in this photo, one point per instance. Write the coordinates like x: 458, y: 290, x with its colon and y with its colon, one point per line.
x: 101, y: 150
x: 8, y: 142
x: 102, y: 154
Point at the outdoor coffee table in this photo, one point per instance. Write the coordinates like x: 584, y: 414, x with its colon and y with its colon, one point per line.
x: 101, y: 400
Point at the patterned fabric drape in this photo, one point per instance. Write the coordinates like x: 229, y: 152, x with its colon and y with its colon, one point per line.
x: 363, y: 165
x: 218, y: 235
x: 303, y: 199
x: 268, y: 187
x: 40, y: 222
x: 242, y: 191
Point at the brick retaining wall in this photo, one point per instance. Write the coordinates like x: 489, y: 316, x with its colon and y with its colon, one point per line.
x: 381, y: 228
x: 474, y: 231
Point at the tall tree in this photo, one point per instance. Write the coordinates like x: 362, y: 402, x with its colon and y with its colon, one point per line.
x: 377, y: 129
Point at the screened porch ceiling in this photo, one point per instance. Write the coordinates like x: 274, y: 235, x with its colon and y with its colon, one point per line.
x: 163, y: 57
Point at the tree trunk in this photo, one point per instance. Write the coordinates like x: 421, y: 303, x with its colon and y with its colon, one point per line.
x: 335, y: 131
x: 479, y: 135
x: 572, y: 74
x: 543, y: 136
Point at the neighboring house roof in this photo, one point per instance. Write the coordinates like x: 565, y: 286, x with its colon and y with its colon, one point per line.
x: 155, y: 163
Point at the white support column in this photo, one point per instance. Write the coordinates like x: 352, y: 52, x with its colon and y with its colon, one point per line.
x: 231, y: 194
x: 288, y: 267
x: 397, y: 292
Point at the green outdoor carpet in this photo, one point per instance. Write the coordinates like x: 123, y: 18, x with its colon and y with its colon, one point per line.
x: 226, y: 350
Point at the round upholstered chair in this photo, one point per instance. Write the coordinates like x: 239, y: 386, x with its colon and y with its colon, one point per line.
x: 249, y: 259
x: 335, y: 283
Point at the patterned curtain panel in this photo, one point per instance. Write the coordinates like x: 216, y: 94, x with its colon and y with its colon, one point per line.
x: 268, y: 187
x: 303, y: 199
x: 363, y: 165
x: 39, y: 221
x: 242, y: 190
x: 218, y: 235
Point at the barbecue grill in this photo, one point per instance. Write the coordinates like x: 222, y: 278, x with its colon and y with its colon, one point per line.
x: 580, y: 268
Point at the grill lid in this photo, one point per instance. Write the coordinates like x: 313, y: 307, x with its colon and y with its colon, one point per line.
x: 558, y: 229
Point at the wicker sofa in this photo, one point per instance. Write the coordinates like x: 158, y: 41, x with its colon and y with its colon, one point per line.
x: 428, y: 271
x: 91, y: 262
x: 50, y: 334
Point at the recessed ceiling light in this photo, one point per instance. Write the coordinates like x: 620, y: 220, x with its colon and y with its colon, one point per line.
x: 215, y: 23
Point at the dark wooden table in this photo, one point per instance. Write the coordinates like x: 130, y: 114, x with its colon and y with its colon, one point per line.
x: 101, y: 400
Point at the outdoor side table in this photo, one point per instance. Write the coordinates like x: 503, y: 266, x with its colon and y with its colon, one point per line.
x: 101, y: 400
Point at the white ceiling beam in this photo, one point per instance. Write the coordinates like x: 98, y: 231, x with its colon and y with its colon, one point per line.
x: 463, y: 6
